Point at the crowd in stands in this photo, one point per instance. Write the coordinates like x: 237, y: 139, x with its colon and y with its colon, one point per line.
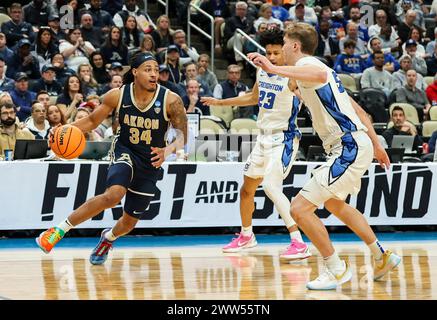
x: 51, y: 75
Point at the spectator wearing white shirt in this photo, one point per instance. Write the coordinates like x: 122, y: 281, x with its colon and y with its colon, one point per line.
x: 186, y: 54
x: 310, y: 15
x: 265, y: 15
x: 352, y: 34
x: 381, y: 20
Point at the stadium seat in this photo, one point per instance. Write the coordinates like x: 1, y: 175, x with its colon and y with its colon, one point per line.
x: 428, y: 127
x: 224, y: 113
x: 409, y: 110
x: 392, y: 97
x: 374, y: 101
x: 208, y: 126
x: 4, y: 18
x: 348, y: 82
x: 243, y: 126
x: 428, y: 80
x: 433, y: 113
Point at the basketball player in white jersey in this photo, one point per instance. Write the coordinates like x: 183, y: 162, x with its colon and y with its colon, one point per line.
x: 350, y: 141
x: 275, y: 150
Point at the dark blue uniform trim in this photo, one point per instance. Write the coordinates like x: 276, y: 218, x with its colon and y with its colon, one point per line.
x: 350, y: 148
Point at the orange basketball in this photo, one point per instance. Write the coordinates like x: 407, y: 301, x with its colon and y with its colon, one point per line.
x: 68, y: 142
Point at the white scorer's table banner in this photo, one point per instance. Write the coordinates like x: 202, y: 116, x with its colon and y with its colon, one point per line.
x: 38, y: 195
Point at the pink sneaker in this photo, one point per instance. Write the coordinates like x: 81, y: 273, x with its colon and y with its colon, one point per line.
x: 296, y: 251
x: 241, y: 242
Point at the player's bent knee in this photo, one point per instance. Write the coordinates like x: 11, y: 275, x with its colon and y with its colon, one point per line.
x: 297, y: 211
x: 113, y: 196
x: 246, y: 192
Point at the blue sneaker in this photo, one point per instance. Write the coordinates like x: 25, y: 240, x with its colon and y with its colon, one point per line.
x: 100, y: 252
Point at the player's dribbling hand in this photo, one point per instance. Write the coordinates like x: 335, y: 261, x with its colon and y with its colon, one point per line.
x: 382, y: 156
x: 52, y: 132
x: 209, y: 101
x: 159, y: 157
x: 260, y: 61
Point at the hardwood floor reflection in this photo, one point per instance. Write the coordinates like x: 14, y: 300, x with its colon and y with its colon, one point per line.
x: 206, y: 273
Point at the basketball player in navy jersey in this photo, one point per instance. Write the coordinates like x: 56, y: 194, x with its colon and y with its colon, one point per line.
x: 145, y: 111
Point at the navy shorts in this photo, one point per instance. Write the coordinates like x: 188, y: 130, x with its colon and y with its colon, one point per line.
x: 132, y: 172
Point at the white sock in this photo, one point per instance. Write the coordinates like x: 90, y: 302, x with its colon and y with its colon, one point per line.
x: 296, y: 235
x: 65, y: 226
x: 376, y: 249
x: 247, y: 231
x: 335, y: 264
x: 110, y: 236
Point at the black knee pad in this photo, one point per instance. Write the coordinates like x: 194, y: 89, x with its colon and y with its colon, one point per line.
x: 136, y: 204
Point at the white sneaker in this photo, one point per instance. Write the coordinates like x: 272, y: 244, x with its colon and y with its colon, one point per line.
x: 388, y: 262
x: 329, y: 281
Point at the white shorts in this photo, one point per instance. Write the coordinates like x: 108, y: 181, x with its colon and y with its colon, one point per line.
x: 341, y: 174
x: 273, y: 156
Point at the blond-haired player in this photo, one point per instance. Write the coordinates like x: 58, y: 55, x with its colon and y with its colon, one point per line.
x: 275, y: 150
x: 350, y: 140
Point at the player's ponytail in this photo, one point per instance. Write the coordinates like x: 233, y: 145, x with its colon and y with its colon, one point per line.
x: 128, y: 77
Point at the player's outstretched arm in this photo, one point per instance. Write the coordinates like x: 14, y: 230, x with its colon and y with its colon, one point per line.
x: 110, y: 102
x: 380, y: 153
x: 306, y: 73
x: 178, y: 119
x: 245, y: 100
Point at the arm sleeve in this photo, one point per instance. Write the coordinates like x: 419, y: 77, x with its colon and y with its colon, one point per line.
x: 218, y: 91
x: 365, y: 80
x: 400, y: 95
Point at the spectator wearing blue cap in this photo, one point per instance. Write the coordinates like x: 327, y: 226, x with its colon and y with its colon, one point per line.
x: 47, y: 81
x: 164, y: 75
x: 6, y: 83
x: 24, y: 61
x: 173, y: 63
x: 116, y: 68
x: 416, y: 36
x: 21, y: 96
x: 419, y: 64
x: 17, y: 29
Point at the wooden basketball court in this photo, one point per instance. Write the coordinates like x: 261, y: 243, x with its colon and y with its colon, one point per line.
x: 204, y: 272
